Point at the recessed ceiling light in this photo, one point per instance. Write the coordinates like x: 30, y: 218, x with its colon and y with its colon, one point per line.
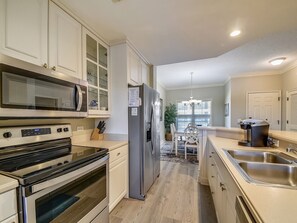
x: 277, y: 61
x: 235, y: 33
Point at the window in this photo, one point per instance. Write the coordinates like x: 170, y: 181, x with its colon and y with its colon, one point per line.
x: 199, y: 114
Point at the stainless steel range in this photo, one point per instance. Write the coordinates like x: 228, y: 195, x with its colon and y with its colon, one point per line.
x: 58, y: 182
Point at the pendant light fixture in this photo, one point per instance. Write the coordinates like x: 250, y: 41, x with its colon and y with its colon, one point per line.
x: 191, y: 101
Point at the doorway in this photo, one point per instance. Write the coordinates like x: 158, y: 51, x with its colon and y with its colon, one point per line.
x: 265, y: 106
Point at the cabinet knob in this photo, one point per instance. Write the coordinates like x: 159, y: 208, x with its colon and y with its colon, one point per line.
x: 45, y: 65
x: 210, y: 156
x: 118, y: 154
x: 223, y: 188
x: 54, y: 68
x: 221, y: 184
x: 212, y: 176
x: 212, y: 152
x: 212, y: 164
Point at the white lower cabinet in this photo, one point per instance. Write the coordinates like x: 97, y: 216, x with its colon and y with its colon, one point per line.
x: 118, y: 176
x: 223, y: 188
x: 8, y: 204
x: 12, y: 219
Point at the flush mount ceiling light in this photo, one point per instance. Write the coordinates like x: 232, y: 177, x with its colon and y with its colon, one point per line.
x: 191, y: 101
x: 277, y: 61
x: 235, y: 33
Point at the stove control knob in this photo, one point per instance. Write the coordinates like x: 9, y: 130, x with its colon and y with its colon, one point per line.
x: 66, y: 129
x: 59, y: 129
x: 7, y: 135
x: 59, y: 164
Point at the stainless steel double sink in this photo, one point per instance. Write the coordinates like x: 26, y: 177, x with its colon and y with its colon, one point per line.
x: 274, y: 169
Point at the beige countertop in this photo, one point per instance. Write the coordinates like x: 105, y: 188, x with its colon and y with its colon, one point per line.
x: 7, y: 184
x: 271, y: 204
x: 110, y: 145
x: 289, y: 136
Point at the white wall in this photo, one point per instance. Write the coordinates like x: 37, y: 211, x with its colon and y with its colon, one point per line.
x: 162, y: 92
x: 216, y: 94
x: 240, y: 87
x: 118, y: 122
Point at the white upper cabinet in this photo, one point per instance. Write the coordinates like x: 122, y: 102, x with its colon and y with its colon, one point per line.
x: 145, y: 71
x: 96, y: 72
x: 23, y: 26
x: 134, y: 68
x: 64, y: 42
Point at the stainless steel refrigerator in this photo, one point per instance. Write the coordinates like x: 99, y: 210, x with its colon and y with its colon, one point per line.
x: 144, y: 139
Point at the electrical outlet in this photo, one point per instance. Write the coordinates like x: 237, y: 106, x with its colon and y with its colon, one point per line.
x: 80, y: 128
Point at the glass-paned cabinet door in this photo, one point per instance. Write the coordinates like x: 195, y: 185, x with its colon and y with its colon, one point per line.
x: 96, y: 73
x: 103, y: 78
x: 102, y: 55
x: 92, y: 74
x: 93, y: 98
x: 91, y: 48
x: 103, y: 100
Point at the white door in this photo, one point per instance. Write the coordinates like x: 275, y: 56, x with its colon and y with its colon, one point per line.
x: 265, y: 106
x: 64, y: 42
x: 23, y: 26
x: 291, y: 108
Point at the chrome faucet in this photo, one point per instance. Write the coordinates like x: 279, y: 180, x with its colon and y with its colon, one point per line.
x: 291, y: 149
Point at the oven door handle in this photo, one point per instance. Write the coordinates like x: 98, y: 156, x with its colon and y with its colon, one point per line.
x: 72, y: 175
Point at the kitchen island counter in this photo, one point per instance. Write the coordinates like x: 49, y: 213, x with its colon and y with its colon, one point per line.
x: 270, y: 204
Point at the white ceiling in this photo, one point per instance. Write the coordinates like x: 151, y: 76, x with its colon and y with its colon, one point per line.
x: 175, y: 31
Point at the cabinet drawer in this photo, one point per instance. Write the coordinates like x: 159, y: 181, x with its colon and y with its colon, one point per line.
x: 12, y: 219
x: 8, y: 204
x: 118, y: 153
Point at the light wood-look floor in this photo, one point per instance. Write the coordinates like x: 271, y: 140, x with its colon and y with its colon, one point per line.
x: 172, y: 199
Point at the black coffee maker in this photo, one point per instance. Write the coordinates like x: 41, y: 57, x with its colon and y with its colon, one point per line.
x: 256, y: 133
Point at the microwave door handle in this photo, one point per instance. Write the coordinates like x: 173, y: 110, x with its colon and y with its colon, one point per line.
x: 78, y: 97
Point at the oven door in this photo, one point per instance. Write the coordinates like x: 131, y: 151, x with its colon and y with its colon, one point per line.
x: 29, y: 94
x: 79, y: 198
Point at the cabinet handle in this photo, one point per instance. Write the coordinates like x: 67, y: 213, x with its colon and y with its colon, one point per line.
x: 45, y: 65
x: 54, y: 68
x: 118, y: 154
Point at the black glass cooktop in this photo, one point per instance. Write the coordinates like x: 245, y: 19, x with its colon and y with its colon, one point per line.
x: 35, y: 162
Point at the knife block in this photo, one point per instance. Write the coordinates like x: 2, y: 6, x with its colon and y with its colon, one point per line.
x: 96, y: 136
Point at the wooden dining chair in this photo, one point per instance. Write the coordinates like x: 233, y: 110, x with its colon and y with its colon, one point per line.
x: 191, y: 139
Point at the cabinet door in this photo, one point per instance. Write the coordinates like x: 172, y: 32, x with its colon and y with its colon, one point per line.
x: 145, y: 71
x: 64, y: 42
x: 134, y: 68
x: 118, y: 177
x: 8, y: 204
x: 12, y: 219
x: 24, y: 30
x: 95, y: 70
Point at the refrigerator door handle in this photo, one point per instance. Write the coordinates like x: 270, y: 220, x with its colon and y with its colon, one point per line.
x: 152, y: 128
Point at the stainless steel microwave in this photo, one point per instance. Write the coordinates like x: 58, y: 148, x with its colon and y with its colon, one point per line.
x: 29, y: 91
